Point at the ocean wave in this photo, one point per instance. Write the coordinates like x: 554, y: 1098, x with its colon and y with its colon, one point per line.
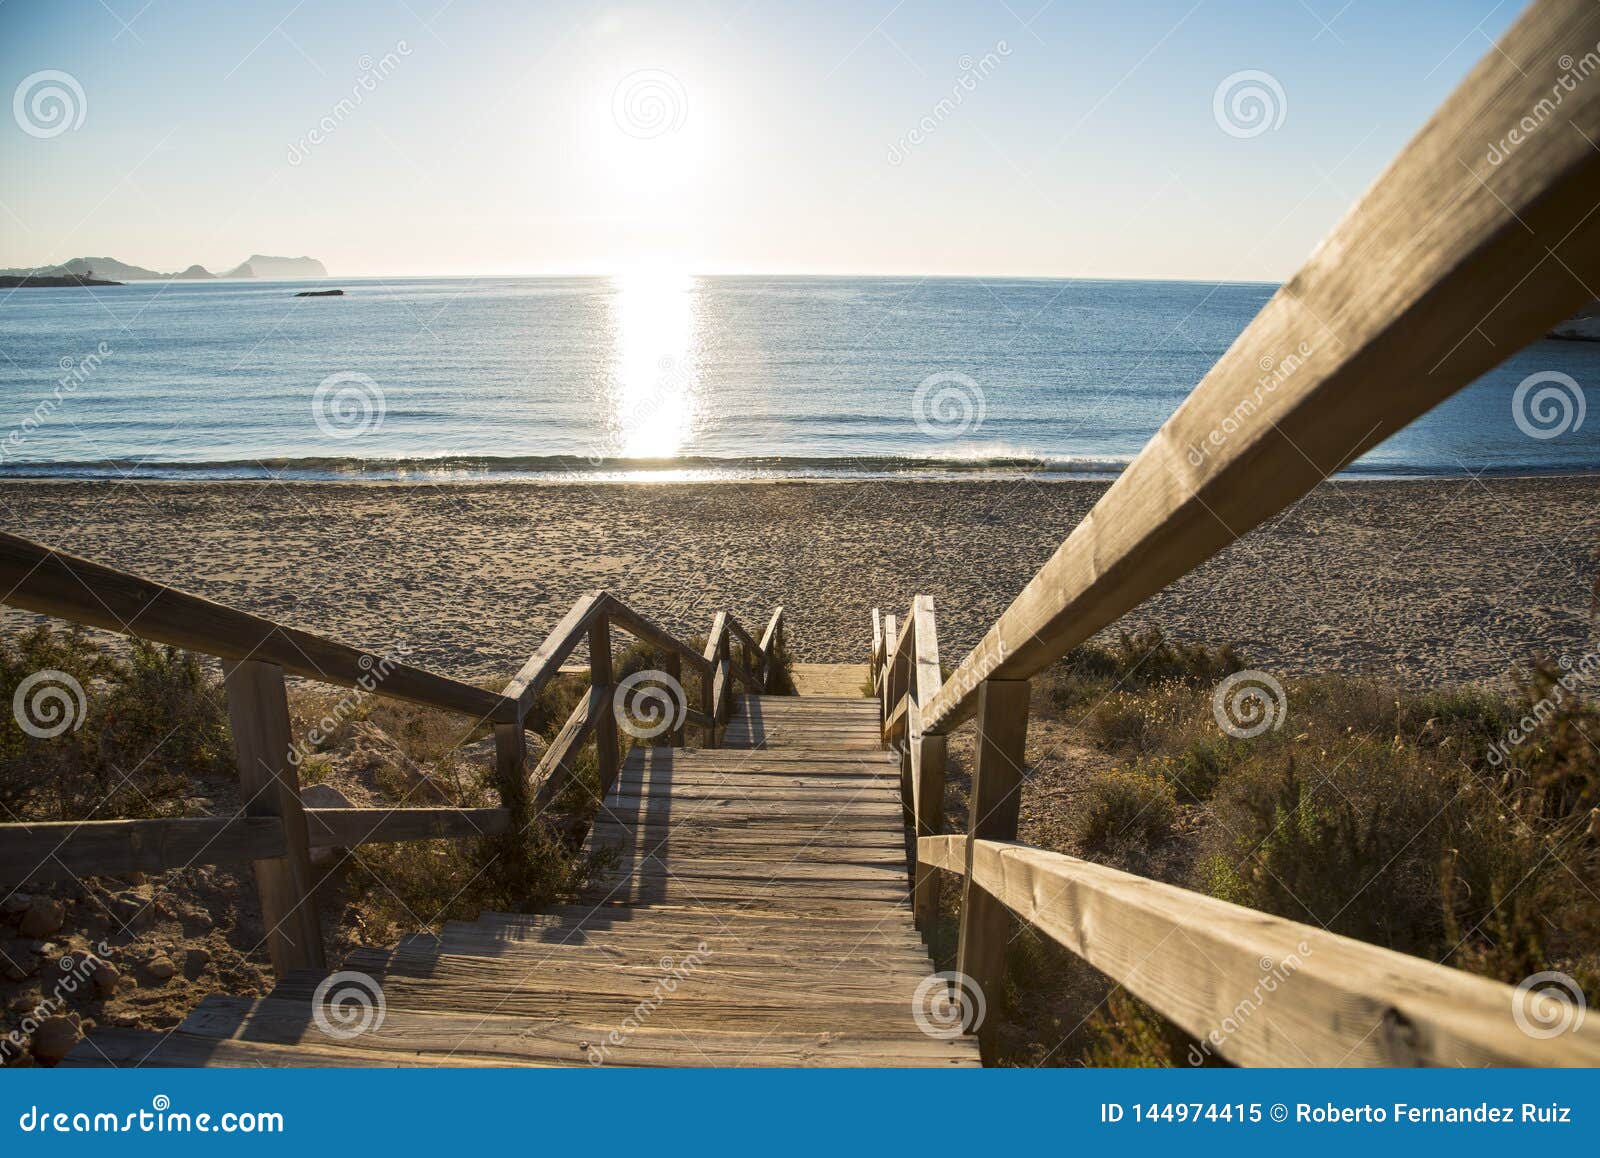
x: 692, y: 468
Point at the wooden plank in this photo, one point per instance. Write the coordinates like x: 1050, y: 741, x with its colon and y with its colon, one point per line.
x: 996, y: 798
x: 673, y: 666
x: 928, y: 757
x: 608, y: 753
x: 1447, y: 265
x: 511, y: 772
x: 926, y: 676
x: 258, y: 713
x: 747, y: 924
x: 545, y: 662
x: 39, y: 578
x: 894, y: 727
x: 928, y: 754
x: 636, y: 625
x: 888, y: 697
x: 555, y: 766
x: 1330, y: 1001
x: 118, y: 1048
x: 716, y: 685
x: 875, y: 664
x: 493, y: 1039
x: 771, y: 640
x: 69, y: 849
x: 750, y: 660
x: 773, y: 938
x: 352, y: 827
x: 943, y: 852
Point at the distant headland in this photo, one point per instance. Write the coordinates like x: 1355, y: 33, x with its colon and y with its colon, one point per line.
x: 90, y: 271
x: 49, y: 281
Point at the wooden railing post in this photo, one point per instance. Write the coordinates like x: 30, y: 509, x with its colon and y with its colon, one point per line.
x: 715, y: 674
x: 993, y: 809
x: 887, y: 697
x: 607, y: 755
x: 674, y: 670
x: 708, y: 706
x: 928, y: 754
x: 511, y: 773
x: 258, y: 712
x: 771, y: 647
x: 725, y: 669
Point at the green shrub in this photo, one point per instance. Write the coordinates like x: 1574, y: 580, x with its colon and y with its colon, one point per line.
x: 1132, y: 664
x: 1120, y: 720
x: 152, y: 723
x: 1123, y: 806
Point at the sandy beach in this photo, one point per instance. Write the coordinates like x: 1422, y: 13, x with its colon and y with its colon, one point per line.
x: 1433, y: 581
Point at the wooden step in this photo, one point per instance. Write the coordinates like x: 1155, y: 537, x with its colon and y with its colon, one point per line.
x: 750, y: 909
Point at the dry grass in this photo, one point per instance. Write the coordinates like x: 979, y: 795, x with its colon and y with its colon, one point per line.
x: 1379, y: 813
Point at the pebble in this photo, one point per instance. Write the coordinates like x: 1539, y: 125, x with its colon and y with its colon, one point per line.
x: 42, y: 918
x: 106, y: 979
x: 161, y: 968
x: 54, y: 1039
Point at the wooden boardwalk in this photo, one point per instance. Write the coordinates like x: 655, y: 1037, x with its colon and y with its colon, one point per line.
x: 755, y: 914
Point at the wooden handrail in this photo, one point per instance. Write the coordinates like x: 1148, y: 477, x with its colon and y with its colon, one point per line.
x: 1193, y: 958
x: 278, y: 834
x: 545, y: 663
x: 353, y: 827
x: 771, y: 640
x: 639, y: 627
x: 1448, y: 265
x: 68, y: 849
x: 36, y: 852
x: 39, y: 578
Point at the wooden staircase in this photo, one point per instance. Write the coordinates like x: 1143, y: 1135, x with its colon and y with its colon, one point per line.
x: 756, y: 914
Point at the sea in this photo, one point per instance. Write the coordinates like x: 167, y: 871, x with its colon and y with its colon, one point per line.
x: 662, y: 376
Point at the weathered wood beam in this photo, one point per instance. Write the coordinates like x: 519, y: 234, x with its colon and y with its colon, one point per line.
x: 41, y: 579
x: 1256, y: 989
x: 1449, y: 264
x: 68, y: 849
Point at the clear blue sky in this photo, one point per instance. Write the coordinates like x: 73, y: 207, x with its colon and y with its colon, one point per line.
x: 501, y: 138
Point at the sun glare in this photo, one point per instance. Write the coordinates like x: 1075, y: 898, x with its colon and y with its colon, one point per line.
x: 655, y: 382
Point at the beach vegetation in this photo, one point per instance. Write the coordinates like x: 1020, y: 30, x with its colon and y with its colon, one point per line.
x: 1459, y: 824
x: 126, y: 733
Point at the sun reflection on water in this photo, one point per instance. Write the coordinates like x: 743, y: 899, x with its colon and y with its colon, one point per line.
x: 655, y: 381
